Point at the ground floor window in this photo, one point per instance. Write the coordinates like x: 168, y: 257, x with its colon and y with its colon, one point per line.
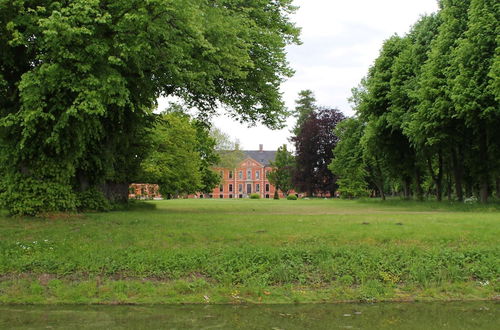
x: 267, y: 195
x: 240, y: 187
x: 221, y: 196
x: 267, y: 186
x: 201, y: 196
x: 210, y: 196
x: 230, y: 195
x: 231, y: 188
x: 240, y: 196
x: 257, y: 187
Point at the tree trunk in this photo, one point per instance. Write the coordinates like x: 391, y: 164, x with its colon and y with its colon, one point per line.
x: 406, y: 188
x: 380, y: 188
x: 498, y: 188
x: 458, y: 174
x: 437, y: 177
x: 382, y: 194
x: 115, y: 192
x: 448, y: 187
x: 484, y: 174
x: 483, y: 192
x: 468, y: 188
x: 418, y: 185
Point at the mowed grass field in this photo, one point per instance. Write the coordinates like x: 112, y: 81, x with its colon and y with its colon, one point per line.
x: 261, y: 251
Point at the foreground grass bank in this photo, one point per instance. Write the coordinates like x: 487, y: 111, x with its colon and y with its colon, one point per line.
x: 221, y: 251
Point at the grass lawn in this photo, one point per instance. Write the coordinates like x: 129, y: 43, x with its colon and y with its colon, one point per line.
x: 220, y: 251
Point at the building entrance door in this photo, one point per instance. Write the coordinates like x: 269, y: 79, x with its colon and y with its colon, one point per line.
x: 249, y: 188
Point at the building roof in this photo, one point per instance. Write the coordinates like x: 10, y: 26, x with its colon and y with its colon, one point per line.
x: 264, y: 157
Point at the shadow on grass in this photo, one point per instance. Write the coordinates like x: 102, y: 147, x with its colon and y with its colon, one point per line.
x: 134, y: 205
x: 492, y: 206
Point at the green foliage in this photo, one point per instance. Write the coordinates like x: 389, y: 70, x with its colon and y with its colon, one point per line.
x: 174, y: 163
x: 79, y: 80
x: 472, y: 91
x: 282, y: 173
x: 208, y: 155
x: 276, y: 195
x: 305, y: 105
x: 348, y: 163
x: 255, y: 196
x: 27, y: 196
x: 292, y: 197
x: 94, y: 200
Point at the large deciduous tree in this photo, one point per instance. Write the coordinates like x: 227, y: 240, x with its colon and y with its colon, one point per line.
x: 79, y: 80
x: 314, y: 152
x: 473, y: 90
x: 348, y: 164
x: 174, y: 161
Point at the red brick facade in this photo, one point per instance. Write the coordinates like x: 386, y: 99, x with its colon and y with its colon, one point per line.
x: 249, y: 178
x: 144, y: 191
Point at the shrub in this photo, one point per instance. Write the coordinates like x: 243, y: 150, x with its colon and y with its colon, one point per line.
x: 93, y: 199
x: 291, y: 197
x: 255, y: 196
x: 29, y: 196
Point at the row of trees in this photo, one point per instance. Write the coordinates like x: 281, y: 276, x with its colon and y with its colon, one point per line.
x: 428, y: 112
x: 79, y: 81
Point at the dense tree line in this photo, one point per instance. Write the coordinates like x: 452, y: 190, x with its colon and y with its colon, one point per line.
x: 428, y: 113
x: 79, y: 81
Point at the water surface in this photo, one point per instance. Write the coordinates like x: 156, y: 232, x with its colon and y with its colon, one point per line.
x: 469, y: 315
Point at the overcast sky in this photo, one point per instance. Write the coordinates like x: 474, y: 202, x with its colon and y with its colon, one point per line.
x: 341, y: 39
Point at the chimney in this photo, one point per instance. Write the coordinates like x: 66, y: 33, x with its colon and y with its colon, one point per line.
x: 261, y: 147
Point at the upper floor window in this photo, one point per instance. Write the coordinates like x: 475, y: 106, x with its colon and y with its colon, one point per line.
x: 221, y: 188
x: 221, y: 173
x: 240, y: 175
x: 230, y: 174
x: 257, y: 174
x: 266, y: 174
x: 267, y: 187
x: 249, y: 174
x: 230, y: 188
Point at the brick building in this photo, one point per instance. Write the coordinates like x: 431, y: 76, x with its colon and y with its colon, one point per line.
x: 250, y: 177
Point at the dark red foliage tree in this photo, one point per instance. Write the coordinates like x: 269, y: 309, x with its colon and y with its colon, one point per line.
x: 314, y: 151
